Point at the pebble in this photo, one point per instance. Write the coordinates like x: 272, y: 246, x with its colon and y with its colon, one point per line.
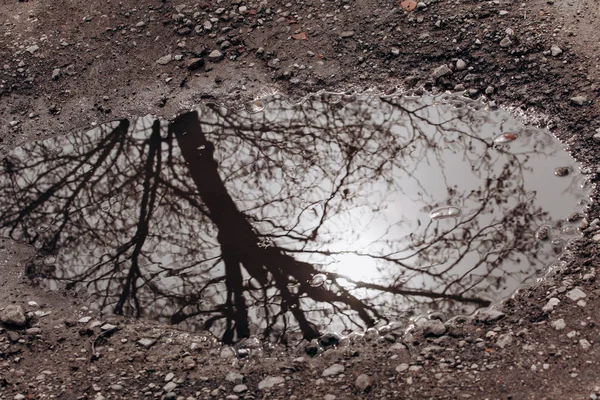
x: 164, y: 60
x: 55, y: 74
x: 576, y: 294
x: 329, y: 397
x: 270, y: 381
x: 234, y: 377
x: 347, y: 34
x: 585, y: 344
x: 504, y: 340
x: 335, y: 369
x: 19, y: 396
x: 440, y: 71
x: 553, y: 302
x: 108, y: 327
x: 364, y: 382
x: 402, y: 368
x: 559, y: 324
x: 33, y: 331
x: 32, y: 49
x: 169, y: 377
x: 215, y: 56
x: 194, y: 63
x: 578, y: 100
x: 146, y: 342
x: 460, y: 65
x: 169, y: 387
x: 555, y: 51
x: 506, y: 42
x: 431, y: 327
x: 240, y: 388
x: 84, y: 320
x: 13, y: 315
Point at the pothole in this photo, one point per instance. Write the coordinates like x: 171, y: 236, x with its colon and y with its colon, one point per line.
x: 285, y: 219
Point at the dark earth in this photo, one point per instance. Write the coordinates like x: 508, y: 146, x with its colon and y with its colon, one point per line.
x: 68, y: 66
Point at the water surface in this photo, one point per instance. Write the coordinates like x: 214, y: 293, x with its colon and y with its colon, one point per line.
x: 337, y: 213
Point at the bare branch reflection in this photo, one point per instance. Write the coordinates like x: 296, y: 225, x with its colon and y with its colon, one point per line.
x: 227, y: 221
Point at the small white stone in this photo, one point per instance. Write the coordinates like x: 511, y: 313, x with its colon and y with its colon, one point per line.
x: 585, y: 345
x: 270, y: 381
x: 559, y: 324
x: 553, y: 302
x: 335, y: 369
x: 402, y: 368
x: 576, y: 294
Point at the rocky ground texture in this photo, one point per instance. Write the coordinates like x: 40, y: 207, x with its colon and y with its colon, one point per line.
x: 67, y: 66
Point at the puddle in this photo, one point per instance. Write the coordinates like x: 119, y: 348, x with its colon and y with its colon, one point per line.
x: 334, y: 214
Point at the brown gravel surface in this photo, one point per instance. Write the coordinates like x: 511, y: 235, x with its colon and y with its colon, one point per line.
x: 66, y: 66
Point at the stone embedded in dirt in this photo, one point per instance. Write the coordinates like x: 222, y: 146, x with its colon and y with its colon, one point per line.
x: 240, y: 389
x: 504, y: 340
x: 13, y: 315
x: 585, y: 344
x: 164, y: 60
x: 578, y: 100
x: 146, y: 342
x: 274, y: 63
x: 32, y: 49
x: 234, y: 377
x: 489, y: 315
x: 559, y: 324
x: 169, y: 387
x: 329, y: 397
x: 347, y: 34
x: 431, y: 327
x: 227, y: 352
x: 84, y: 320
x: 555, y: 51
x: 215, y: 56
x: 402, y: 368
x: 506, y: 42
x: 589, y: 277
x: 169, y: 377
x: 553, y: 302
x: 270, y: 381
x: 440, y: 71
x: 333, y: 370
x: 194, y: 63
x: 55, y: 74
x: 364, y: 382
x: 576, y: 294
x: 108, y: 327
x: 33, y: 331
x: 460, y: 65
x: 19, y: 396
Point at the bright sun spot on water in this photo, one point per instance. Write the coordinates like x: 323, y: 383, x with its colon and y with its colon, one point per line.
x: 355, y: 267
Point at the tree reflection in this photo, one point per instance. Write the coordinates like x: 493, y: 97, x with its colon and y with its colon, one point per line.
x: 222, y: 221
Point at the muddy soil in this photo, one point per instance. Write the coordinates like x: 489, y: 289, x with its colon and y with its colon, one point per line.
x: 66, y: 66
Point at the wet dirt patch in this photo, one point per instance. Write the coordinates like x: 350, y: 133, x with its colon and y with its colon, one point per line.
x: 286, y: 219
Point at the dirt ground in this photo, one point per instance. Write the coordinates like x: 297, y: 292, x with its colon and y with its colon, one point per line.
x: 66, y: 66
